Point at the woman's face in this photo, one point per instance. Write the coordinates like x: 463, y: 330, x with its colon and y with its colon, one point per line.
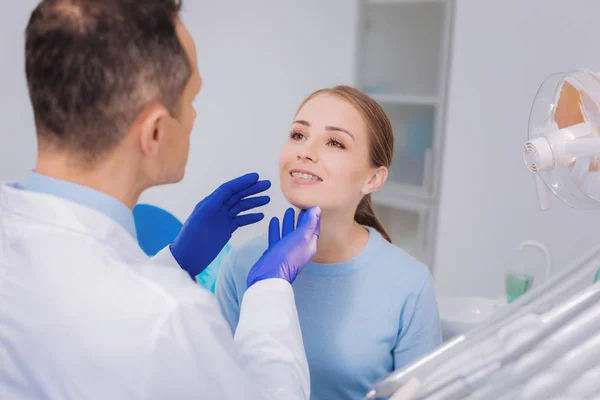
x: 325, y: 162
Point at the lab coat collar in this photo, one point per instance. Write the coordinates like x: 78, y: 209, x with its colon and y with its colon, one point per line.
x: 66, y: 214
x: 83, y: 195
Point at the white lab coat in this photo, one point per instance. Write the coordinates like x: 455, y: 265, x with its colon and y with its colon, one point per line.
x: 84, y: 314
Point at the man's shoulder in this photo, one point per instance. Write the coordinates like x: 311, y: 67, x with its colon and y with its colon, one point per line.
x: 126, y: 267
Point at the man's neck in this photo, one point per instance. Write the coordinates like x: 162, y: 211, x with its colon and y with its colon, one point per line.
x: 341, y: 238
x: 110, y: 177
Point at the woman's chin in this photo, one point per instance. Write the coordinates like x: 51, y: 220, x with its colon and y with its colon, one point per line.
x: 301, y: 203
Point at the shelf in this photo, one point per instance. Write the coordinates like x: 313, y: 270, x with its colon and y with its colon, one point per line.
x: 404, y: 99
x: 401, y: 50
x: 402, y: 64
x: 404, y: 197
x: 413, y: 127
x: 392, y: 2
x: 406, y: 229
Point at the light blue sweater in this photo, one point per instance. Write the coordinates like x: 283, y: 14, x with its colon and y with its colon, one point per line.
x: 360, y: 319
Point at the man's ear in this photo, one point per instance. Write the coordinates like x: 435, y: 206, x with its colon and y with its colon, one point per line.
x: 376, y: 181
x: 149, y: 127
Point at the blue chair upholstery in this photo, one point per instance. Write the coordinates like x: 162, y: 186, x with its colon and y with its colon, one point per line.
x: 155, y: 227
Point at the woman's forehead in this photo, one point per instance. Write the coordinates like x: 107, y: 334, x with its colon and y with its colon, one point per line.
x: 326, y: 109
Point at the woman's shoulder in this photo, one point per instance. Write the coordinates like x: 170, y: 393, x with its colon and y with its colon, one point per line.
x: 398, y: 263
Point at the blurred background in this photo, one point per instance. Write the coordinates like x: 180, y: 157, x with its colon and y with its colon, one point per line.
x: 457, y: 79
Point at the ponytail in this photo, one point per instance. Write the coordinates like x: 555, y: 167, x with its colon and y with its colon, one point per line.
x: 365, y: 215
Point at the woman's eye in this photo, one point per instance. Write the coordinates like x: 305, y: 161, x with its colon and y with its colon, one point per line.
x: 336, y: 143
x: 296, y: 136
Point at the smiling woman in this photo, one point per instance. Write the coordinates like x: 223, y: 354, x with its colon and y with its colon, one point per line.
x: 342, y: 137
x: 366, y: 307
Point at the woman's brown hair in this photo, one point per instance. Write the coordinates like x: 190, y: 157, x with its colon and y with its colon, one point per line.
x: 381, y: 144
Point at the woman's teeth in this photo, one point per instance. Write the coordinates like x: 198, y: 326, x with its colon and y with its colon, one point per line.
x: 305, y: 176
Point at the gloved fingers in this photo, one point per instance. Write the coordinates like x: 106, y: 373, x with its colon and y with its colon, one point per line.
x: 246, y: 219
x: 255, y: 188
x: 311, y: 221
x: 258, y: 187
x: 227, y: 190
x: 248, y: 204
x: 273, y: 232
x: 300, y: 217
x: 288, y: 222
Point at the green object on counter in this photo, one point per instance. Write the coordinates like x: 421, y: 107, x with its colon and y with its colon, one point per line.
x: 517, y: 285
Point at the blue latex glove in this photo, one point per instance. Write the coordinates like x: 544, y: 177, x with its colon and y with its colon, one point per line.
x: 214, y: 220
x: 289, y: 253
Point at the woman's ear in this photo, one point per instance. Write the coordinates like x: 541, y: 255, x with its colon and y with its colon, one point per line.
x: 376, y: 181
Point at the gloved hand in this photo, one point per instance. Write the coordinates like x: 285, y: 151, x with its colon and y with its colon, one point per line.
x: 214, y: 219
x: 289, y: 253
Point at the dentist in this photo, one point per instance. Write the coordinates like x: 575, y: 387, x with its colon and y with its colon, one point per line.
x: 84, y: 314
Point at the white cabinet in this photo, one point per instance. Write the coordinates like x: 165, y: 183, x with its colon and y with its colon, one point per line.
x: 403, y: 64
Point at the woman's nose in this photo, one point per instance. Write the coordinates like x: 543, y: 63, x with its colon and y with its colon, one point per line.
x: 308, y: 152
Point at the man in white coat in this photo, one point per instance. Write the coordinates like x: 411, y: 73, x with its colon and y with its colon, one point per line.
x: 84, y: 314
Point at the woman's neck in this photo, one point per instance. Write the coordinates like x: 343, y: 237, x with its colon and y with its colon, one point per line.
x: 341, y: 239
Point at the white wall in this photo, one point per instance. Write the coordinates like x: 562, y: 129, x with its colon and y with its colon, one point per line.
x: 502, y: 51
x: 17, y: 135
x: 258, y: 59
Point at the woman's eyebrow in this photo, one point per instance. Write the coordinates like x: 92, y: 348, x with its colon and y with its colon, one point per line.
x: 327, y: 128
x: 302, y: 122
x: 336, y: 129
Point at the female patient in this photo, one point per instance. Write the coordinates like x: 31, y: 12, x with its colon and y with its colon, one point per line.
x: 365, y: 306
